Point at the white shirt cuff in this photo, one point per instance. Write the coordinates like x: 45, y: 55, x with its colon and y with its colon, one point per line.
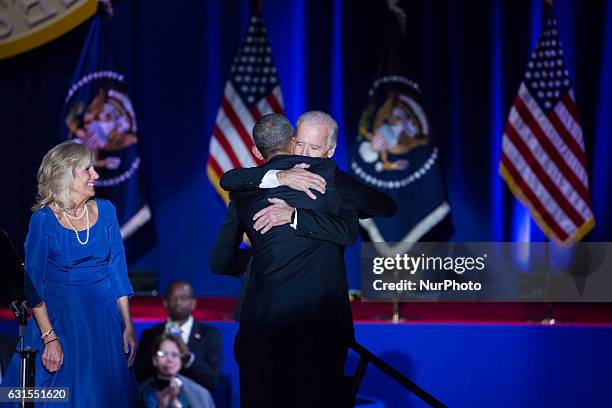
x: 270, y: 180
x: 294, y: 223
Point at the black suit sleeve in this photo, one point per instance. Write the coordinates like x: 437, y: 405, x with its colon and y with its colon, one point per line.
x: 226, y: 258
x: 242, y: 179
x: 340, y: 229
x: 367, y: 200
x: 206, y: 368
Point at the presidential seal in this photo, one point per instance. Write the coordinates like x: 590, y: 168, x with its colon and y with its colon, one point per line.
x: 392, y: 128
x: 395, y: 154
x: 393, y: 123
x: 99, y: 114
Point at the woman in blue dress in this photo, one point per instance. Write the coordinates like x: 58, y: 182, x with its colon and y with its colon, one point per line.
x: 78, y: 288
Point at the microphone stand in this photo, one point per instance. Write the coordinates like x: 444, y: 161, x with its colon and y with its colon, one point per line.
x: 27, y: 361
x: 21, y: 311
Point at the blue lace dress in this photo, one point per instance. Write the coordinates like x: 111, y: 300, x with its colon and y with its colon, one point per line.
x: 79, y: 285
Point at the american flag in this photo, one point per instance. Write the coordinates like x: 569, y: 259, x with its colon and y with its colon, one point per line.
x: 251, y: 91
x: 543, y: 159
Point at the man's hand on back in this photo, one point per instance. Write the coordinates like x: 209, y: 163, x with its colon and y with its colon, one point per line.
x: 279, y: 213
x: 298, y: 178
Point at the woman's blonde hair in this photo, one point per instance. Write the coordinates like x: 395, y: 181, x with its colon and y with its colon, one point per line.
x: 56, y: 173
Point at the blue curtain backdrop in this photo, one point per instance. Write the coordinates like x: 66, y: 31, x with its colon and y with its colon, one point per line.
x: 469, y: 58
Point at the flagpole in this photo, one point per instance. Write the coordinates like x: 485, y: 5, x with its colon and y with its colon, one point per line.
x: 396, y: 318
x: 548, y: 318
x: 397, y: 11
x: 395, y: 315
x: 548, y: 188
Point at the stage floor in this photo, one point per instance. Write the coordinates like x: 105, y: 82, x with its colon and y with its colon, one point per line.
x: 221, y: 309
x: 465, y: 354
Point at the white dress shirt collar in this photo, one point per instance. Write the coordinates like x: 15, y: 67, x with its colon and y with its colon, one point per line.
x: 185, y: 328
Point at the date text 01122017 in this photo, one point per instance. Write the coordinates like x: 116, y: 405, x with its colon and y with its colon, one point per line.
x: 34, y: 394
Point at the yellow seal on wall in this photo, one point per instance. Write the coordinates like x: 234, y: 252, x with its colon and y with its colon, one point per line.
x: 26, y: 24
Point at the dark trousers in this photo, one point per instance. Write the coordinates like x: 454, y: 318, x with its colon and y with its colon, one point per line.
x: 295, y: 365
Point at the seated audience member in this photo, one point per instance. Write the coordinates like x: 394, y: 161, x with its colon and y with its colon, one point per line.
x: 203, y: 342
x: 167, y: 388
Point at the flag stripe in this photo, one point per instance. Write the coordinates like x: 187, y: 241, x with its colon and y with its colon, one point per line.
x: 572, y: 126
x: 566, y: 137
x: 570, y: 105
x: 543, y: 158
x: 555, y: 152
x: 242, y: 151
x: 278, y: 95
x: 274, y: 103
x: 544, y: 199
x: 239, y: 108
x: 233, y: 118
x: 264, y: 107
x: 533, y: 198
x: 255, y: 112
x: 215, y: 166
x: 542, y: 175
x: 227, y: 148
x: 252, y: 77
x: 220, y: 156
x: 549, y: 131
x: 535, y: 185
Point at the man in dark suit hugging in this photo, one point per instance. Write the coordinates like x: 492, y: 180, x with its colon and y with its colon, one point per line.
x: 203, y: 341
x: 295, y: 321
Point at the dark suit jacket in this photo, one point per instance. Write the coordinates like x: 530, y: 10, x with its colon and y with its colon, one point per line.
x: 356, y: 196
x: 338, y: 230
x: 293, y: 278
x: 204, y: 343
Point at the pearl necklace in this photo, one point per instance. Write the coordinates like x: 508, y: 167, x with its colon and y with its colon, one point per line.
x: 86, y: 212
x: 75, y: 212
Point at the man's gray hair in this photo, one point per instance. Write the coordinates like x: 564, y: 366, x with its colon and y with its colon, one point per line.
x: 272, y: 133
x: 318, y: 118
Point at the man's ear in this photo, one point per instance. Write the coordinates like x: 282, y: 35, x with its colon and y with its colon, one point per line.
x: 257, y: 153
x: 331, y: 151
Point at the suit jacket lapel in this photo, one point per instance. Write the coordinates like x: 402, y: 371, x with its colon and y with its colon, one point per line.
x: 196, y: 334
